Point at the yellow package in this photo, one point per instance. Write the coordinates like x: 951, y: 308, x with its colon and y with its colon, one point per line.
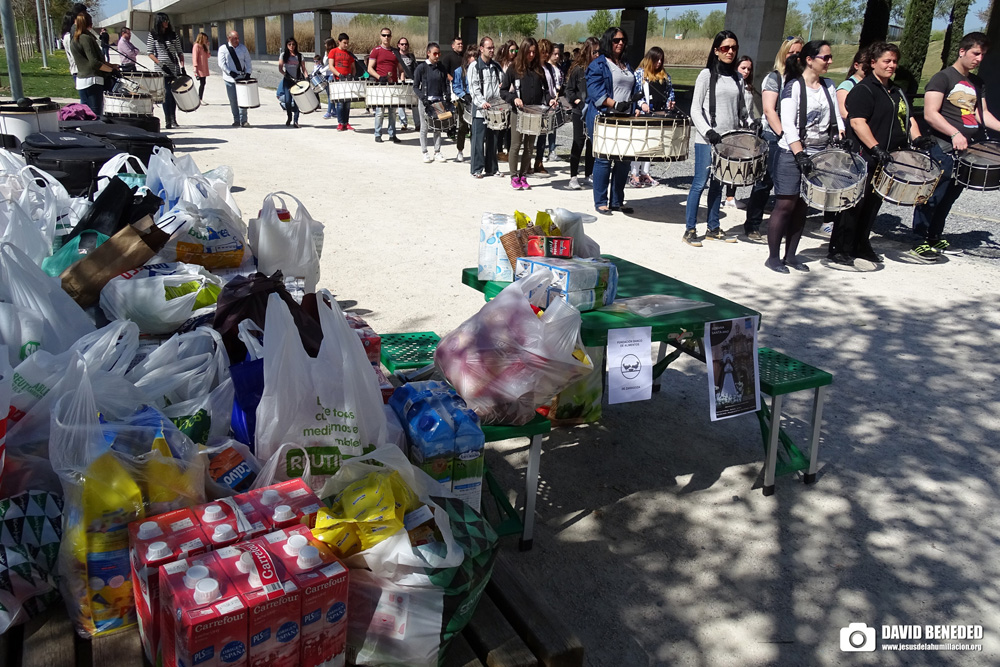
x: 544, y: 220
x: 169, y: 486
x: 370, y: 509
x: 521, y: 220
x: 341, y: 537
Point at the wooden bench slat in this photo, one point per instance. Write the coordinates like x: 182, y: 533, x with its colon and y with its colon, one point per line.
x: 460, y: 654
x: 494, y: 640
x: 49, y: 640
x: 547, y: 637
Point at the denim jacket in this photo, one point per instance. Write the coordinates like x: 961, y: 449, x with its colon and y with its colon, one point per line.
x: 600, y: 88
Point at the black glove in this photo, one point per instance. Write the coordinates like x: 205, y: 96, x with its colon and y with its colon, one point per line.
x: 849, y: 145
x: 804, y: 162
x: 383, y: 79
x: 880, y: 154
x: 756, y: 127
x: 232, y: 74
x: 923, y: 142
x: 713, y: 137
x: 623, y: 107
x: 183, y: 72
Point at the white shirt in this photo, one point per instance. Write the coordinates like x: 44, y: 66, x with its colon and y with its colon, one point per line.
x: 227, y: 65
x: 817, y: 115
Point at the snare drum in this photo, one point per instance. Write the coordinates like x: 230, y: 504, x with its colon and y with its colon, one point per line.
x: 247, y: 96
x: 151, y: 83
x: 497, y: 117
x: 438, y: 117
x: 535, y: 120
x: 978, y: 167
x: 390, y: 95
x: 656, y: 138
x: 185, y: 94
x: 305, y: 97
x: 128, y: 103
x: 908, y: 180
x: 347, y: 91
x: 739, y: 159
x: 318, y: 80
x: 125, y: 86
x: 837, y: 181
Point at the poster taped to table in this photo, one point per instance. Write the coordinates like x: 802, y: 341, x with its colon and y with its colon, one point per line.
x: 630, y: 364
x: 733, y: 376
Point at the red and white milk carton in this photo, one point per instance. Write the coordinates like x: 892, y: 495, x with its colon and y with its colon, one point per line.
x: 203, y: 619
x: 286, y: 504
x: 322, y: 580
x: 240, y: 515
x: 160, y: 540
x: 371, y: 340
x: 273, y: 600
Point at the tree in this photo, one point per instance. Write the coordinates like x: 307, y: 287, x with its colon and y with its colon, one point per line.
x: 913, y: 44
x: 686, y: 22
x: 599, y: 22
x: 523, y: 25
x: 875, y: 26
x: 795, y: 21
x: 956, y: 29
x: 713, y: 23
x: 984, y: 14
x: 832, y: 16
x: 654, y: 24
x: 551, y: 27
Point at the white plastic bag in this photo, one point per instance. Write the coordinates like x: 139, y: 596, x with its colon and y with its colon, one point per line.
x: 571, y: 224
x: 22, y: 330
x: 130, y: 163
x: 18, y: 229
x: 506, y: 361
x: 11, y: 165
x: 275, y: 469
x: 293, y: 247
x: 24, y: 284
x: 222, y: 178
x: 209, y: 237
x: 161, y: 297
x: 331, y: 405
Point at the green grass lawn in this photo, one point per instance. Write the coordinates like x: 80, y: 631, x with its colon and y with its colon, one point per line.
x: 56, y: 81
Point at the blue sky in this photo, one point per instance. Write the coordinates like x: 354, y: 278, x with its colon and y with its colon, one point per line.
x: 111, y: 7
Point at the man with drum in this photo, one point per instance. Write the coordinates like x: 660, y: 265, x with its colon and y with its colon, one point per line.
x: 234, y: 61
x: 384, y: 67
x: 127, y: 50
x: 484, y: 76
x: 955, y: 109
x: 408, y: 62
x: 879, y: 115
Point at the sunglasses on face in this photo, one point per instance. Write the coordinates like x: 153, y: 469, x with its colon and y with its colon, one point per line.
x: 404, y: 43
x: 726, y: 49
x: 387, y: 34
x: 617, y: 40
x: 827, y: 58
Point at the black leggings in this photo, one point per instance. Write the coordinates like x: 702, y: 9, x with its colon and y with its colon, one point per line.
x: 787, y: 221
x: 201, y: 86
x: 580, y: 140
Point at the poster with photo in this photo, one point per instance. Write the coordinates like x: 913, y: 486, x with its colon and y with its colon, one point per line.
x: 731, y: 356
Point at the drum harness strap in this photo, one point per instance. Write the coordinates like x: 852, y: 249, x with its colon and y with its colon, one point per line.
x: 741, y: 109
x: 492, y: 68
x: 831, y: 129
x: 236, y: 59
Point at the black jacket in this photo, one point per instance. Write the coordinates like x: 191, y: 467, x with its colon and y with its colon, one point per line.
x: 534, y: 87
x: 576, y: 88
x: 431, y: 81
x: 884, y: 108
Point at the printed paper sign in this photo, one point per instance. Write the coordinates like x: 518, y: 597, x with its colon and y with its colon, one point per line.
x: 731, y: 355
x: 630, y: 364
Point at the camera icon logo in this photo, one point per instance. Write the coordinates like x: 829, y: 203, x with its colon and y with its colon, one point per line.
x: 857, y: 637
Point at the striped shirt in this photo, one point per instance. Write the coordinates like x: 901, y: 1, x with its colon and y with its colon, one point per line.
x: 168, y: 53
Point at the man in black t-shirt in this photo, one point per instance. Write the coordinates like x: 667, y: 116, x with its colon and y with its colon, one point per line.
x: 879, y: 117
x: 955, y: 109
x: 453, y: 59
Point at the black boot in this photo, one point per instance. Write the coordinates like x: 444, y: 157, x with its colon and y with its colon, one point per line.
x: 288, y: 118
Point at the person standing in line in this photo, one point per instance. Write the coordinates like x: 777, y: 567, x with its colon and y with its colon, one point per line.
x: 771, y: 130
x: 127, y: 50
x: 430, y: 83
x: 505, y: 58
x: 657, y: 96
x: 105, y: 44
x: 293, y: 70
x: 745, y: 68
x: 719, y: 105
x: 453, y: 58
x: 955, y: 108
x: 383, y: 67
x: 611, y: 86
x: 199, y: 58
x: 460, y: 88
x: 576, y: 93
x: 235, y: 63
x: 879, y: 118
x: 91, y: 66
x: 341, y: 62
x: 555, y: 78
x: 484, y: 77
x: 68, y: 27
x: 408, y: 62
x: 523, y: 84
x: 164, y: 48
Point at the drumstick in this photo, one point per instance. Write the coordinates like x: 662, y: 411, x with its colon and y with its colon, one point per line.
x: 124, y: 56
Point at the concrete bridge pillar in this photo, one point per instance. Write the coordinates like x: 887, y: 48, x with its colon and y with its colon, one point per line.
x: 470, y: 30
x: 322, y: 24
x: 989, y: 69
x: 224, y: 31
x: 633, y: 24
x: 259, y: 36
x: 759, y: 25
x: 286, y: 24
x: 442, y: 21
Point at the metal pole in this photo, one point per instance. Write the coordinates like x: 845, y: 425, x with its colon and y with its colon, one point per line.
x: 666, y: 16
x: 10, y: 42
x: 546, y: 31
x: 48, y: 26
x: 41, y: 34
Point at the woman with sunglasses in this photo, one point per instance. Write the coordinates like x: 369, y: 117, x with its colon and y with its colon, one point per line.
x: 811, y: 122
x: 769, y: 94
x: 576, y: 93
x: 523, y: 84
x: 611, y: 86
x: 292, y: 68
x: 719, y: 105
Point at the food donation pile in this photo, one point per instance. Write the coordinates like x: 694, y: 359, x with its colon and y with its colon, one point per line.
x: 197, y: 441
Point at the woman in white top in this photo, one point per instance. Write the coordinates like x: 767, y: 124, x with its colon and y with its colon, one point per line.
x: 718, y: 106
x: 810, y: 122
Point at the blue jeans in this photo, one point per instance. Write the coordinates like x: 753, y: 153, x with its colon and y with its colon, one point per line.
x: 290, y: 106
x: 385, y: 111
x: 93, y: 97
x: 702, y: 176
x: 484, y: 148
x: 613, y: 174
x: 929, y: 218
x: 343, y: 113
x: 239, y: 115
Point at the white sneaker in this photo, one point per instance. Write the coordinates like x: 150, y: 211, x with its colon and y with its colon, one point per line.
x: 548, y: 157
x: 827, y: 228
x: 574, y: 184
x: 459, y: 157
x: 439, y: 157
x: 428, y: 158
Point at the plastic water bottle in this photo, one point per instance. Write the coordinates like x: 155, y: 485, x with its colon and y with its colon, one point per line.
x: 470, y: 456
